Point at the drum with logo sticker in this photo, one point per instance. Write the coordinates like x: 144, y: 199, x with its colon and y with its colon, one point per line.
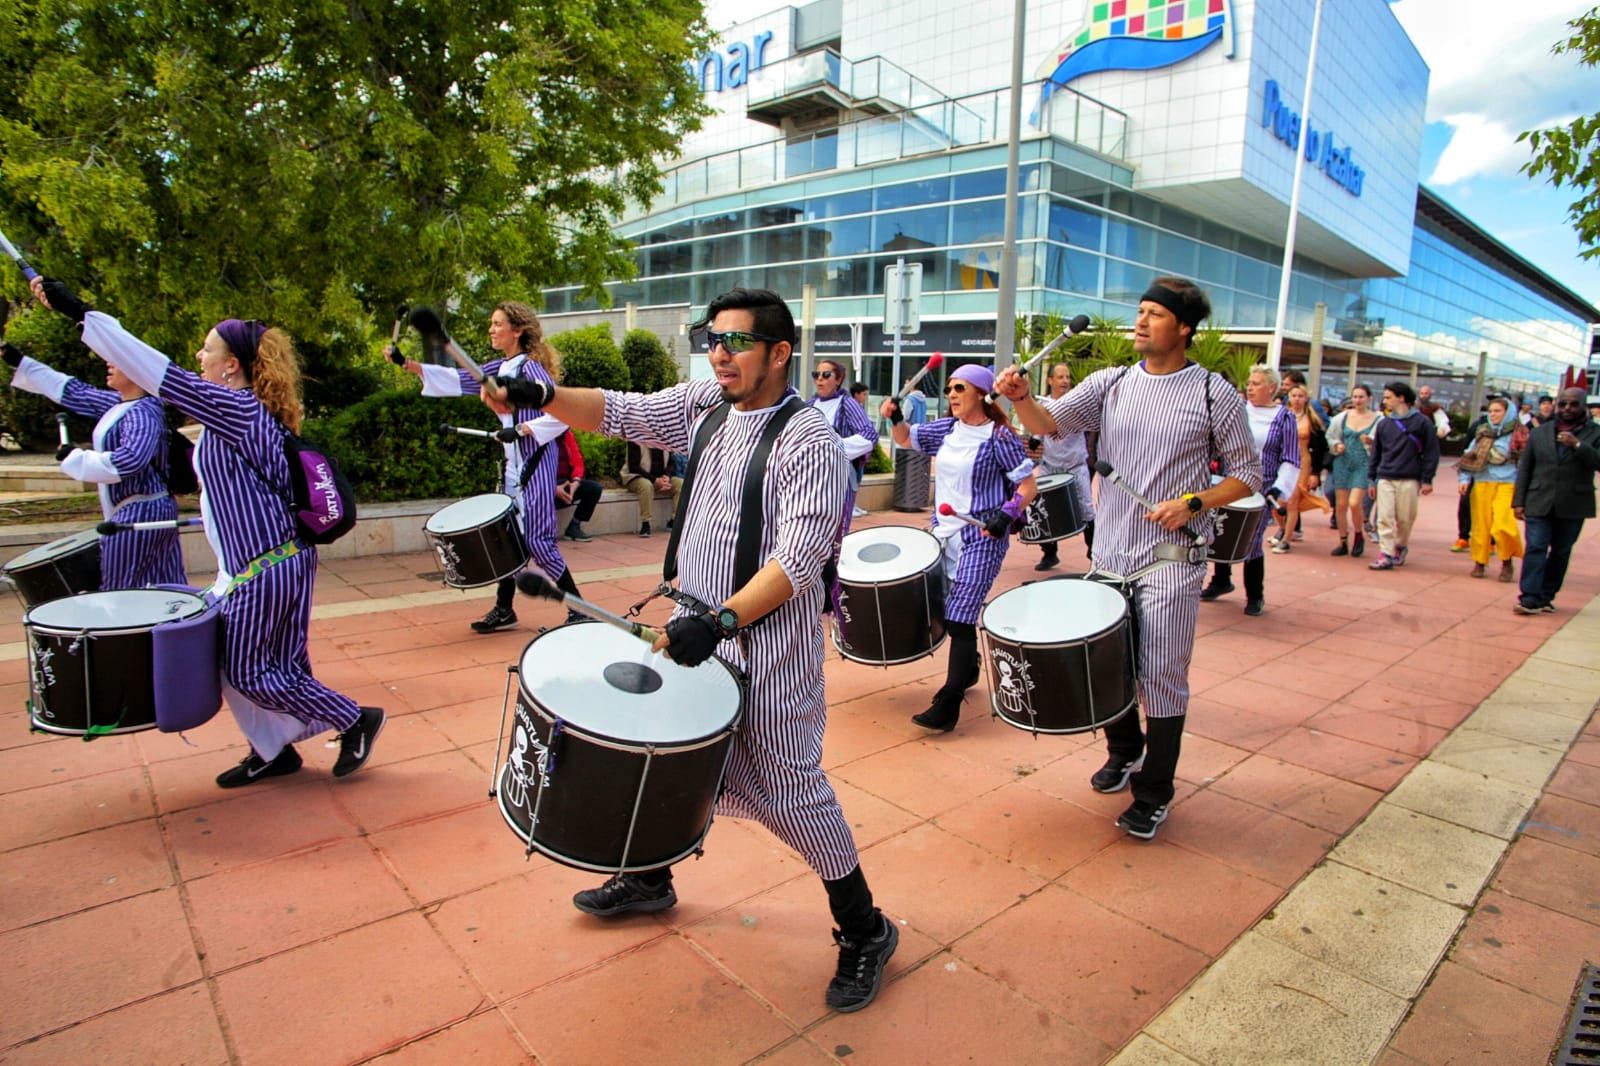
x: 1236, y: 527
x: 616, y: 753
x: 477, y: 540
x: 1055, y: 513
x: 64, y: 567
x: 1060, y: 654
x: 121, y: 661
x: 890, y: 607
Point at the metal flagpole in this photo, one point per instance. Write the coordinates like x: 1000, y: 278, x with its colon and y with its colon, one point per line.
x: 1005, y: 326
x: 1275, y: 352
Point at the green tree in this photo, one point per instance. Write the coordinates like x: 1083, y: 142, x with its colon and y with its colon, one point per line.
x: 1570, y: 155
x: 650, y: 368
x: 590, y: 359
x: 314, y: 164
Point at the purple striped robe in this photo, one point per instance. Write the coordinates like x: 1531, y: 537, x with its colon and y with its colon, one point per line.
x: 774, y: 772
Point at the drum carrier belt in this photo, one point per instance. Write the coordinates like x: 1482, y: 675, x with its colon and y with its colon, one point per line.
x: 747, y: 546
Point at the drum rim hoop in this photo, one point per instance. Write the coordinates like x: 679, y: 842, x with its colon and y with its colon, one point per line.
x: 91, y: 539
x: 511, y: 508
x: 125, y: 630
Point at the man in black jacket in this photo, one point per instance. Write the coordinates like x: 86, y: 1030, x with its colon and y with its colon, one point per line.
x: 1554, y: 494
x: 1400, y: 466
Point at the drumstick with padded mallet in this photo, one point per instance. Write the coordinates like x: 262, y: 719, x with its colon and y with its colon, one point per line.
x: 401, y: 314
x: 933, y: 363
x: 66, y: 440
x: 536, y: 584
x: 1107, y: 471
x: 16, y: 256
x: 950, y: 512
x: 1075, y: 327
x: 425, y: 320
x: 105, y: 529
x: 503, y: 435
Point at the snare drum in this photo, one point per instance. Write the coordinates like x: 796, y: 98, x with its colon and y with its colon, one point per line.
x: 1060, y: 655
x: 617, y: 753
x: 477, y: 540
x: 1237, y: 528
x: 93, y: 656
x: 63, y: 567
x: 1055, y: 513
x: 891, y: 595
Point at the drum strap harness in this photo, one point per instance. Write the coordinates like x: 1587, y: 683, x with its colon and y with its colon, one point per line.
x: 747, y: 548
x: 265, y: 561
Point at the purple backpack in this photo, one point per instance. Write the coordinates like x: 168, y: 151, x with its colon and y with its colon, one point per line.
x: 324, y: 507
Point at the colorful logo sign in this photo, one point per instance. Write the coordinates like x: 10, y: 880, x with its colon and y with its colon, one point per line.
x: 1136, y: 35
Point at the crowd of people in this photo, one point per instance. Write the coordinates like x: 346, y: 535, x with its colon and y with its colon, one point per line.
x: 754, y: 573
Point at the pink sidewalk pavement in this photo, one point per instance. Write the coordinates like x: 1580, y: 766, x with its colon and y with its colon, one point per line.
x: 148, y: 917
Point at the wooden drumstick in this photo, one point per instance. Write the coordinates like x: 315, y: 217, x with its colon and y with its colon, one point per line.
x: 1076, y: 326
x: 536, y: 584
x: 950, y: 512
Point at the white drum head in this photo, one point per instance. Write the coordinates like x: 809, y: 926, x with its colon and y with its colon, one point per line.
x: 119, y: 609
x: 1252, y: 502
x: 470, y: 513
x: 1050, y: 481
x: 605, y: 682
x: 1054, y: 611
x: 54, y: 550
x: 888, y: 553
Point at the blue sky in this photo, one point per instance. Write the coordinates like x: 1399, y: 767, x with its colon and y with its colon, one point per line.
x: 1491, y: 76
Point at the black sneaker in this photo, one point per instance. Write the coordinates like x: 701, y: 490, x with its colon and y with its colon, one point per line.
x: 1521, y: 608
x: 1252, y: 607
x: 497, y: 618
x: 1547, y: 608
x: 1049, y: 562
x: 855, y: 983
x: 355, y: 743
x: 644, y: 529
x: 253, y: 768
x: 577, y: 532
x: 1113, y: 776
x: 1213, y: 590
x: 1141, y: 819
x: 626, y: 894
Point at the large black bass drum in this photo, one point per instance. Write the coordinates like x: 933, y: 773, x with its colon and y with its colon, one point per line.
x: 891, y: 595
x: 616, y: 753
x: 477, y: 540
x: 64, y: 567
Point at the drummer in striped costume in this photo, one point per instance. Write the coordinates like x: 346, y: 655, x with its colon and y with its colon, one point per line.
x: 247, y: 396
x: 128, y: 463
x: 771, y: 626
x: 516, y: 333
x: 850, y: 424
x: 1160, y: 422
x: 1273, y: 429
x: 981, y: 471
x: 1065, y: 453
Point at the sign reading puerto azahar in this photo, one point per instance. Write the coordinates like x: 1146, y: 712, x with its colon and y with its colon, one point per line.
x: 1322, y: 151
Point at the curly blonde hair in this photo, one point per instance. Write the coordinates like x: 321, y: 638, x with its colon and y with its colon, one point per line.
x: 275, y: 378
x: 530, y: 334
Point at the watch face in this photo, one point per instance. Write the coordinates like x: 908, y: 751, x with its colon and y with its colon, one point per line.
x: 728, y: 620
x: 1195, y: 505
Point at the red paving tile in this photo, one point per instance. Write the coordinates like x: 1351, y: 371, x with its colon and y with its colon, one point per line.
x: 1577, y: 781
x: 177, y: 1027
x: 251, y: 826
x: 1192, y: 899
x: 1380, y: 729
x: 1100, y: 971
x: 485, y: 1039
x: 948, y: 1011
x: 373, y: 989
x: 63, y: 876
x: 1566, y: 822
x: 921, y: 778
x: 64, y: 759
x: 1038, y: 831
x: 1466, y: 1017
x: 1269, y: 846
x: 389, y: 794
x: 52, y: 811
x: 443, y: 857
x: 259, y: 910
x: 76, y: 967
x: 941, y: 884
x: 664, y: 1003
x: 1526, y: 946
x: 1552, y: 876
x: 1351, y: 760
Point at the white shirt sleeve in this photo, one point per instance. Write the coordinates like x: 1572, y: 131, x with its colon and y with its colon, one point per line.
x: 857, y: 446
x: 440, y: 381
x: 1441, y: 422
x: 94, y: 467
x: 543, y: 430
x: 143, y: 364
x: 33, y: 376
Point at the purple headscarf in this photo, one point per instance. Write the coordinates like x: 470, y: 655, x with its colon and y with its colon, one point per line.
x: 979, y: 377
x: 242, y: 339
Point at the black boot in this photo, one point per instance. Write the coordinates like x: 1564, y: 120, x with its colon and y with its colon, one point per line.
x: 961, y: 674
x: 1221, y: 582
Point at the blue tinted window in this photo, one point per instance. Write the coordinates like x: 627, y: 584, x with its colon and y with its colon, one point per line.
x: 913, y: 193
x: 983, y: 221
x: 1075, y: 226
x: 841, y: 203
x: 909, y: 230
x: 983, y: 183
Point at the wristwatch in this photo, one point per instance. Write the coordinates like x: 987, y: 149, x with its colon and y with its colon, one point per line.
x: 1193, y: 500
x: 727, y: 620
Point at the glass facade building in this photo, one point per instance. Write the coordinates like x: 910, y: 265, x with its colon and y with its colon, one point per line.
x: 831, y: 209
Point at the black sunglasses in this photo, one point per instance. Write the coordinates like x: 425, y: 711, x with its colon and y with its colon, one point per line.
x: 821, y: 375
x: 735, y: 341
x: 953, y: 387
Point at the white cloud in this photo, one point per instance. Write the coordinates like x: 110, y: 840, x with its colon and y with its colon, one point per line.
x: 1479, y: 147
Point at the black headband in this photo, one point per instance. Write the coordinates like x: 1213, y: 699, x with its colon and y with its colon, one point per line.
x: 1160, y: 294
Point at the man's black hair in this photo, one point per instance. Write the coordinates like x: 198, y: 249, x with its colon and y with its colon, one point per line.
x: 772, y: 314
x: 1403, y: 390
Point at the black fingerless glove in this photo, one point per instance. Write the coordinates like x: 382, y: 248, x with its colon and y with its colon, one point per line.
x: 506, y: 434
x: 64, y: 451
x: 394, y: 355
x: 11, y: 354
x: 997, y: 524
x: 692, y: 638
x: 64, y: 300
x: 895, y: 415
x: 525, y: 392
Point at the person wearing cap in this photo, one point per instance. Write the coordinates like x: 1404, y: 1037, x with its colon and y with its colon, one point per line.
x: 247, y: 398
x: 1161, y: 423
x: 982, y: 472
